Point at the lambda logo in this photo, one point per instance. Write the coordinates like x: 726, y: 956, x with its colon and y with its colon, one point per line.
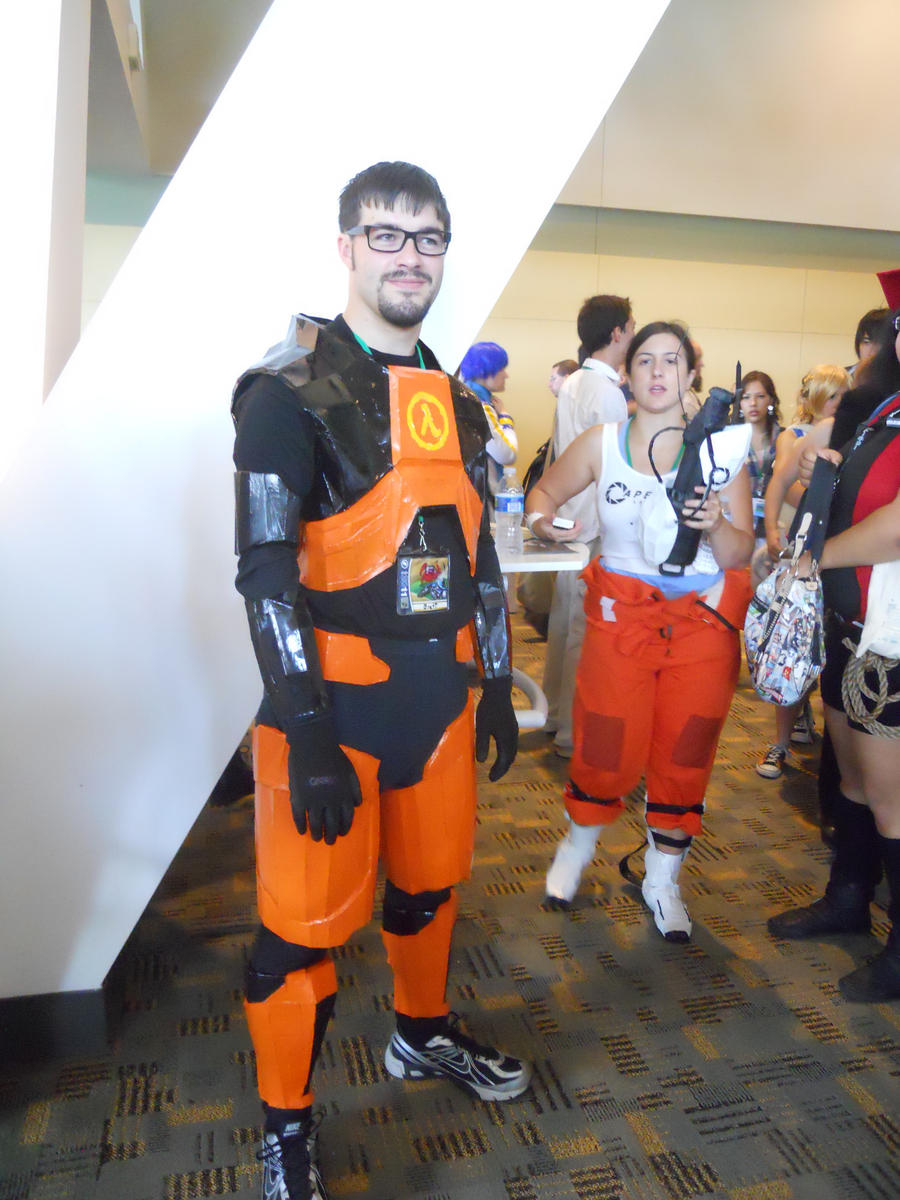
x: 427, y: 420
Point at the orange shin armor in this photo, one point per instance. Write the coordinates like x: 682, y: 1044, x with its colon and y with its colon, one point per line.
x: 287, y: 1029
x: 420, y: 961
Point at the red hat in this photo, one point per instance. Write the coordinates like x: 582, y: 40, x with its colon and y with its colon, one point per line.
x: 890, y: 285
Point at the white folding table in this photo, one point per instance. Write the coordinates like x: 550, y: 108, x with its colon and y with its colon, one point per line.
x: 539, y: 556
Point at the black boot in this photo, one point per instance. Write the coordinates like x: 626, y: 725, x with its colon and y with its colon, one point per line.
x: 879, y: 979
x: 854, y: 874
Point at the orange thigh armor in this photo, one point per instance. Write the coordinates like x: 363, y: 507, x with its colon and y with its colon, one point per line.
x: 316, y: 895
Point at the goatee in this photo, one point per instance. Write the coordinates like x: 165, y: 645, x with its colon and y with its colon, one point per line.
x: 405, y: 311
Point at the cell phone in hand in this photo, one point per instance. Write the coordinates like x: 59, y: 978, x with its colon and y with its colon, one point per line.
x: 563, y: 523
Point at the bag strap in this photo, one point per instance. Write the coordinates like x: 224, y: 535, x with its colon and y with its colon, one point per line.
x: 811, y: 522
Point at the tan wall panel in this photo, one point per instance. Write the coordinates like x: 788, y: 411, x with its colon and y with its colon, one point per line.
x: 548, y: 284
x: 818, y: 348
x: 776, y: 353
x: 774, y: 319
x: 837, y: 309
x: 717, y: 295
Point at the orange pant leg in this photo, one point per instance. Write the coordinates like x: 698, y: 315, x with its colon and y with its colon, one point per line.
x: 428, y: 830
x: 420, y: 962
x: 693, y: 695
x: 309, y: 893
x: 286, y: 1029
x: 611, y: 725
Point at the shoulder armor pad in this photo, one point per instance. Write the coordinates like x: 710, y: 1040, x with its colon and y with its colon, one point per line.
x: 286, y: 358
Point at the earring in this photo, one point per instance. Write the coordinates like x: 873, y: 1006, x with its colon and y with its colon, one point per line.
x: 770, y: 409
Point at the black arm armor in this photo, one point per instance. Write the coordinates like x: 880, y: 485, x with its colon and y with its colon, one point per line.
x: 288, y: 659
x: 492, y: 632
x: 267, y: 512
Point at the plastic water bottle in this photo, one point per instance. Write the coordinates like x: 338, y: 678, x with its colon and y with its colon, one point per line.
x: 509, y: 511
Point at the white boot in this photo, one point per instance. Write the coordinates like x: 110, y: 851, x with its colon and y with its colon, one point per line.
x: 661, y: 892
x: 573, y: 854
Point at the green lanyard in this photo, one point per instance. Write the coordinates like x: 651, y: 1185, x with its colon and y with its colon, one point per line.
x: 628, y: 448
x: 368, y: 351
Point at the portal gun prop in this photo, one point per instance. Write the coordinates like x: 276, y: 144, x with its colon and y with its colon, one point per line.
x: 671, y: 543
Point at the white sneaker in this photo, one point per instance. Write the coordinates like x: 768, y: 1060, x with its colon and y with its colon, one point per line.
x: 573, y: 854
x: 662, y: 894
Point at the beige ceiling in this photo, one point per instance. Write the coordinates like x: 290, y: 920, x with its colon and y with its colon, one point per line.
x: 776, y: 110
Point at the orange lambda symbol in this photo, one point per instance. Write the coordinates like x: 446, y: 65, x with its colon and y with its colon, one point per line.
x: 427, y: 420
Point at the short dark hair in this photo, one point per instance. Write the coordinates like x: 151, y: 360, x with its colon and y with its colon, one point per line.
x: 870, y: 326
x: 651, y: 330
x: 598, y: 318
x: 767, y: 384
x: 482, y: 360
x: 882, y: 371
x: 386, y: 183
x: 565, y: 366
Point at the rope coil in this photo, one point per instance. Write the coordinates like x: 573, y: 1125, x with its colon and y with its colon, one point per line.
x: 855, y: 691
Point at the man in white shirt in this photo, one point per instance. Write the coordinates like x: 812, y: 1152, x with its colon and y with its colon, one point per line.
x: 589, y: 396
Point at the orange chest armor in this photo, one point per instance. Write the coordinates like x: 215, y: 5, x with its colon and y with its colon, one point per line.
x: 403, y: 440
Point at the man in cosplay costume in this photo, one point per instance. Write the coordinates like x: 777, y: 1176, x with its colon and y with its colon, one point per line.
x: 367, y: 565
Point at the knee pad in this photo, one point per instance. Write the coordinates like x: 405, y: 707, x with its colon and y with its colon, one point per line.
x: 407, y: 913
x: 272, y: 959
x: 416, y: 933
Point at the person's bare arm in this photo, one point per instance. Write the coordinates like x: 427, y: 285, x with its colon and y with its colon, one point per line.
x: 875, y: 539
x: 576, y: 468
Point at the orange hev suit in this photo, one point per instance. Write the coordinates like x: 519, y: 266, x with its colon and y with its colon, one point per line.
x: 365, y: 559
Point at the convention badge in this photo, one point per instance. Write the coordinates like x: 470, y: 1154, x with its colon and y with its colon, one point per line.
x: 423, y: 584
x: 759, y: 507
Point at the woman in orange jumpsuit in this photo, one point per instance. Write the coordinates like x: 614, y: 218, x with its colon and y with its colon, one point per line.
x: 661, y: 655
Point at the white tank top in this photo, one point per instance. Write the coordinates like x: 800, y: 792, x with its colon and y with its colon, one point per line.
x: 621, y: 491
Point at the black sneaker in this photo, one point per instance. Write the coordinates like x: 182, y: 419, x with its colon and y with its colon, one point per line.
x: 771, y: 765
x: 487, y: 1073
x: 804, y: 730
x: 291, y: 1163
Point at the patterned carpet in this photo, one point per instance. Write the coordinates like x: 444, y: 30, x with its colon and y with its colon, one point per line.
x: 729, y: 1068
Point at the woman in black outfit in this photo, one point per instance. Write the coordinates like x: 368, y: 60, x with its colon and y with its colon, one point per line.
x: 864, y: 529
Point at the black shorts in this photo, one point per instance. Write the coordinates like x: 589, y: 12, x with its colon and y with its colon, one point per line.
x: 836, y: 658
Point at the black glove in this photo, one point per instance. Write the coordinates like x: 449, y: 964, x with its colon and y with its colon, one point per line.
x: 495, y: 718
x: 324, y: 786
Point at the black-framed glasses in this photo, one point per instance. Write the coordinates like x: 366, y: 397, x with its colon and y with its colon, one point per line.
x: 388, y: 239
